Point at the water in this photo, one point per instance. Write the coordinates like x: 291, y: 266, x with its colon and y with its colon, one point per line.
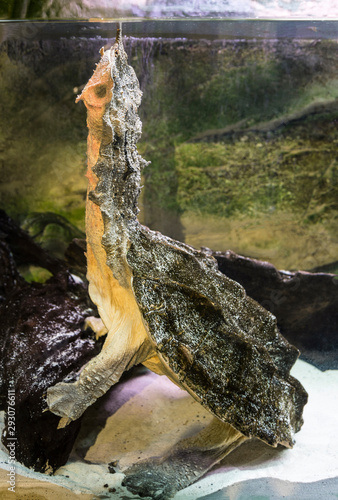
x: 262, y: 187
x: 239, y: 123
x: 311, y: 29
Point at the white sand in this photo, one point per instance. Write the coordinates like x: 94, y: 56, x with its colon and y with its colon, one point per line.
x: 149, y: 414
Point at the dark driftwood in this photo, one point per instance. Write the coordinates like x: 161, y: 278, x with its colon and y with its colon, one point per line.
x: 305, y: 304
x: 41, y: 343
x: 9, y: 276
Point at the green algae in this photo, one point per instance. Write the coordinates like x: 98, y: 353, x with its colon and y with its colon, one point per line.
x: 34, y: 274
x: 293, y: 171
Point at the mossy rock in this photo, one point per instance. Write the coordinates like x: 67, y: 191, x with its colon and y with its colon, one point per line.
x: 290, y: 171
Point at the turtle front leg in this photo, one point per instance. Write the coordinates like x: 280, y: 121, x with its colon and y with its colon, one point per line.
x: 187, y: 461
x: 121, y: 350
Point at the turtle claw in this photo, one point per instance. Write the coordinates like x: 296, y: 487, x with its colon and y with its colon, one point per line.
x: 149, y: 480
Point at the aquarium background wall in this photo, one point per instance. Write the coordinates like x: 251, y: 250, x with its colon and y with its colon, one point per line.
x: 77, y: 9
x: 239, y: 124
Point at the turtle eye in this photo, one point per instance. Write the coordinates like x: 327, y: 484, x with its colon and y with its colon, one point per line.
x: 100, y: 90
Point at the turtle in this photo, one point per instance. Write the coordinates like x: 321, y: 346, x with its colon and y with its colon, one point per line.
x: 166, y: 305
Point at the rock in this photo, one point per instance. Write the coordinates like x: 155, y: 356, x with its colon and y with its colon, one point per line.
x: 42, y: 342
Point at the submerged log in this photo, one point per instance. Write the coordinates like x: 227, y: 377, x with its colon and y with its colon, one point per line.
x: 42, y: 342
x: 24, y: 248
x: 9, y: 276
x: 304, y: 303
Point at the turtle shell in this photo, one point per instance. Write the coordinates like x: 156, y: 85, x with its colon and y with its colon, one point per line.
x: 221, y: 345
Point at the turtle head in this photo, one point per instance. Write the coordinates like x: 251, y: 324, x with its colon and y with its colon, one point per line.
x: 98, y: 91
x: 112, y: 95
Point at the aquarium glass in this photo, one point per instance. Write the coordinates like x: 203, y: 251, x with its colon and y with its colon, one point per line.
x: 239, y: 125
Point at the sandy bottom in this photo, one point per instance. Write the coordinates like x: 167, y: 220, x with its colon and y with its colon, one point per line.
x: 30, y: 488
x: 146, y: 414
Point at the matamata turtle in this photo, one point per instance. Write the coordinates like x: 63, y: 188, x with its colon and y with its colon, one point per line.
x: 166, y: 305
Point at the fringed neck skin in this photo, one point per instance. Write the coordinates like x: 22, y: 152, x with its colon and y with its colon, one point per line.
x: 112, y: 97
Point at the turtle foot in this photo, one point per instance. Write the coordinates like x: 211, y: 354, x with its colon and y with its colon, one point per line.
x: 161, y: 478
x: 150, y: 479
x: 64, y: 399
x: 185, y: 463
